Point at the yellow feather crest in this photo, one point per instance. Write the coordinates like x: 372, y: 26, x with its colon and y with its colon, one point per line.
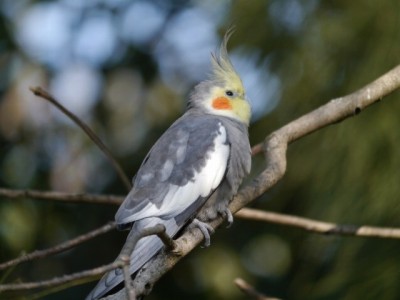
x: 222, y: 69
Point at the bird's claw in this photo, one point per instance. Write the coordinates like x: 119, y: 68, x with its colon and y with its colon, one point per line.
x: 205, y: 230
x: 229, y: 217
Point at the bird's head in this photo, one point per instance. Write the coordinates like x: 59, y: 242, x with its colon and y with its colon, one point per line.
x: 223, y: 93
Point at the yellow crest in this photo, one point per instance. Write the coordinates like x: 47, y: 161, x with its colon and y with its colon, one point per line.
x: 222, y: 68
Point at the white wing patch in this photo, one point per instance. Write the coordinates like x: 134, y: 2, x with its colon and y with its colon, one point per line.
x: 204, y: 182
x: 166, y: 170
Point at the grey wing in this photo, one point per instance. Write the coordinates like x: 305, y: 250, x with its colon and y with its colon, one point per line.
x: 186, y: 164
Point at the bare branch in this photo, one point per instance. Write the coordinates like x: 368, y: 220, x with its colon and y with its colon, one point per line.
x: 38, y: 91
x: 58, y: 248
x: 256, y: 149
x: 130, y: 292
x: 61, y: 280
x: 167, y: 240
x: 62, y: 197
x: 251, y: 291
x: 318, y: 226
x: 337, y: 109
x: 123, y: 261
x: 129, y: 246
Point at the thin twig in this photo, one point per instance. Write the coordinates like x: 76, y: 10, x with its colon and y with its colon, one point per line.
x: 60, y: 247
x: 256, y: 149
x: 130, y: 292
x: 62, y: 197
x: 122, y: 261
x: 134, y: 237
x: 40, y: 92
x: 250, y: 290
x: 166, y: 239
x: 61, y: 280
x: 318, y: 226
x: 129, y: 246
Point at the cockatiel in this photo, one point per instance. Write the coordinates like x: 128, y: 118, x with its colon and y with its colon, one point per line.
x: 193, y: 171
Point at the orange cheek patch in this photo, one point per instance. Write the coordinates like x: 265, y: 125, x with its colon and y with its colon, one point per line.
x: 221, y: 103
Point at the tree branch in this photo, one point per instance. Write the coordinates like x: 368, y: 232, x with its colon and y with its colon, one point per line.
x: 62, y: 197
x: 318, y: 226
x: 62, y: 279
x: 38, y: 91
x: 123, y: 261
x: 60, y: 247
x: 250, y: 291
x: 129, y: 246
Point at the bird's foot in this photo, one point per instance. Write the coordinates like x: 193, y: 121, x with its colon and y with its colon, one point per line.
x: 205, y: 230
x: 228, y: 215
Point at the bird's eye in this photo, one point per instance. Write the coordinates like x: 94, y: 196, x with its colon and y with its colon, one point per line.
x: 229, y: 93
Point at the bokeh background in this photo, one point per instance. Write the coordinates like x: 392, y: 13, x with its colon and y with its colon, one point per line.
x: 126, y: 67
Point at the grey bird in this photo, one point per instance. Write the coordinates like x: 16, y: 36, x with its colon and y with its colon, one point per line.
x: 193, y: 171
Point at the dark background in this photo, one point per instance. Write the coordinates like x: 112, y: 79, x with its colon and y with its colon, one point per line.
x: 126, y: 67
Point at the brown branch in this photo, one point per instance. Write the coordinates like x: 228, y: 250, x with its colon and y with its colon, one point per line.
x: 38, y: 91
x: 58, y: 248
x: 256, y: 149
x: 274, y: 146
x: 62, y: 197
x: 62, y: 279
x: 123, y: 261
x: 251, y: 291
x: 335, y: 110
x: 318, y: 226
x: 129, y: 246
x: 130, y: 292
x: 169, y: 243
